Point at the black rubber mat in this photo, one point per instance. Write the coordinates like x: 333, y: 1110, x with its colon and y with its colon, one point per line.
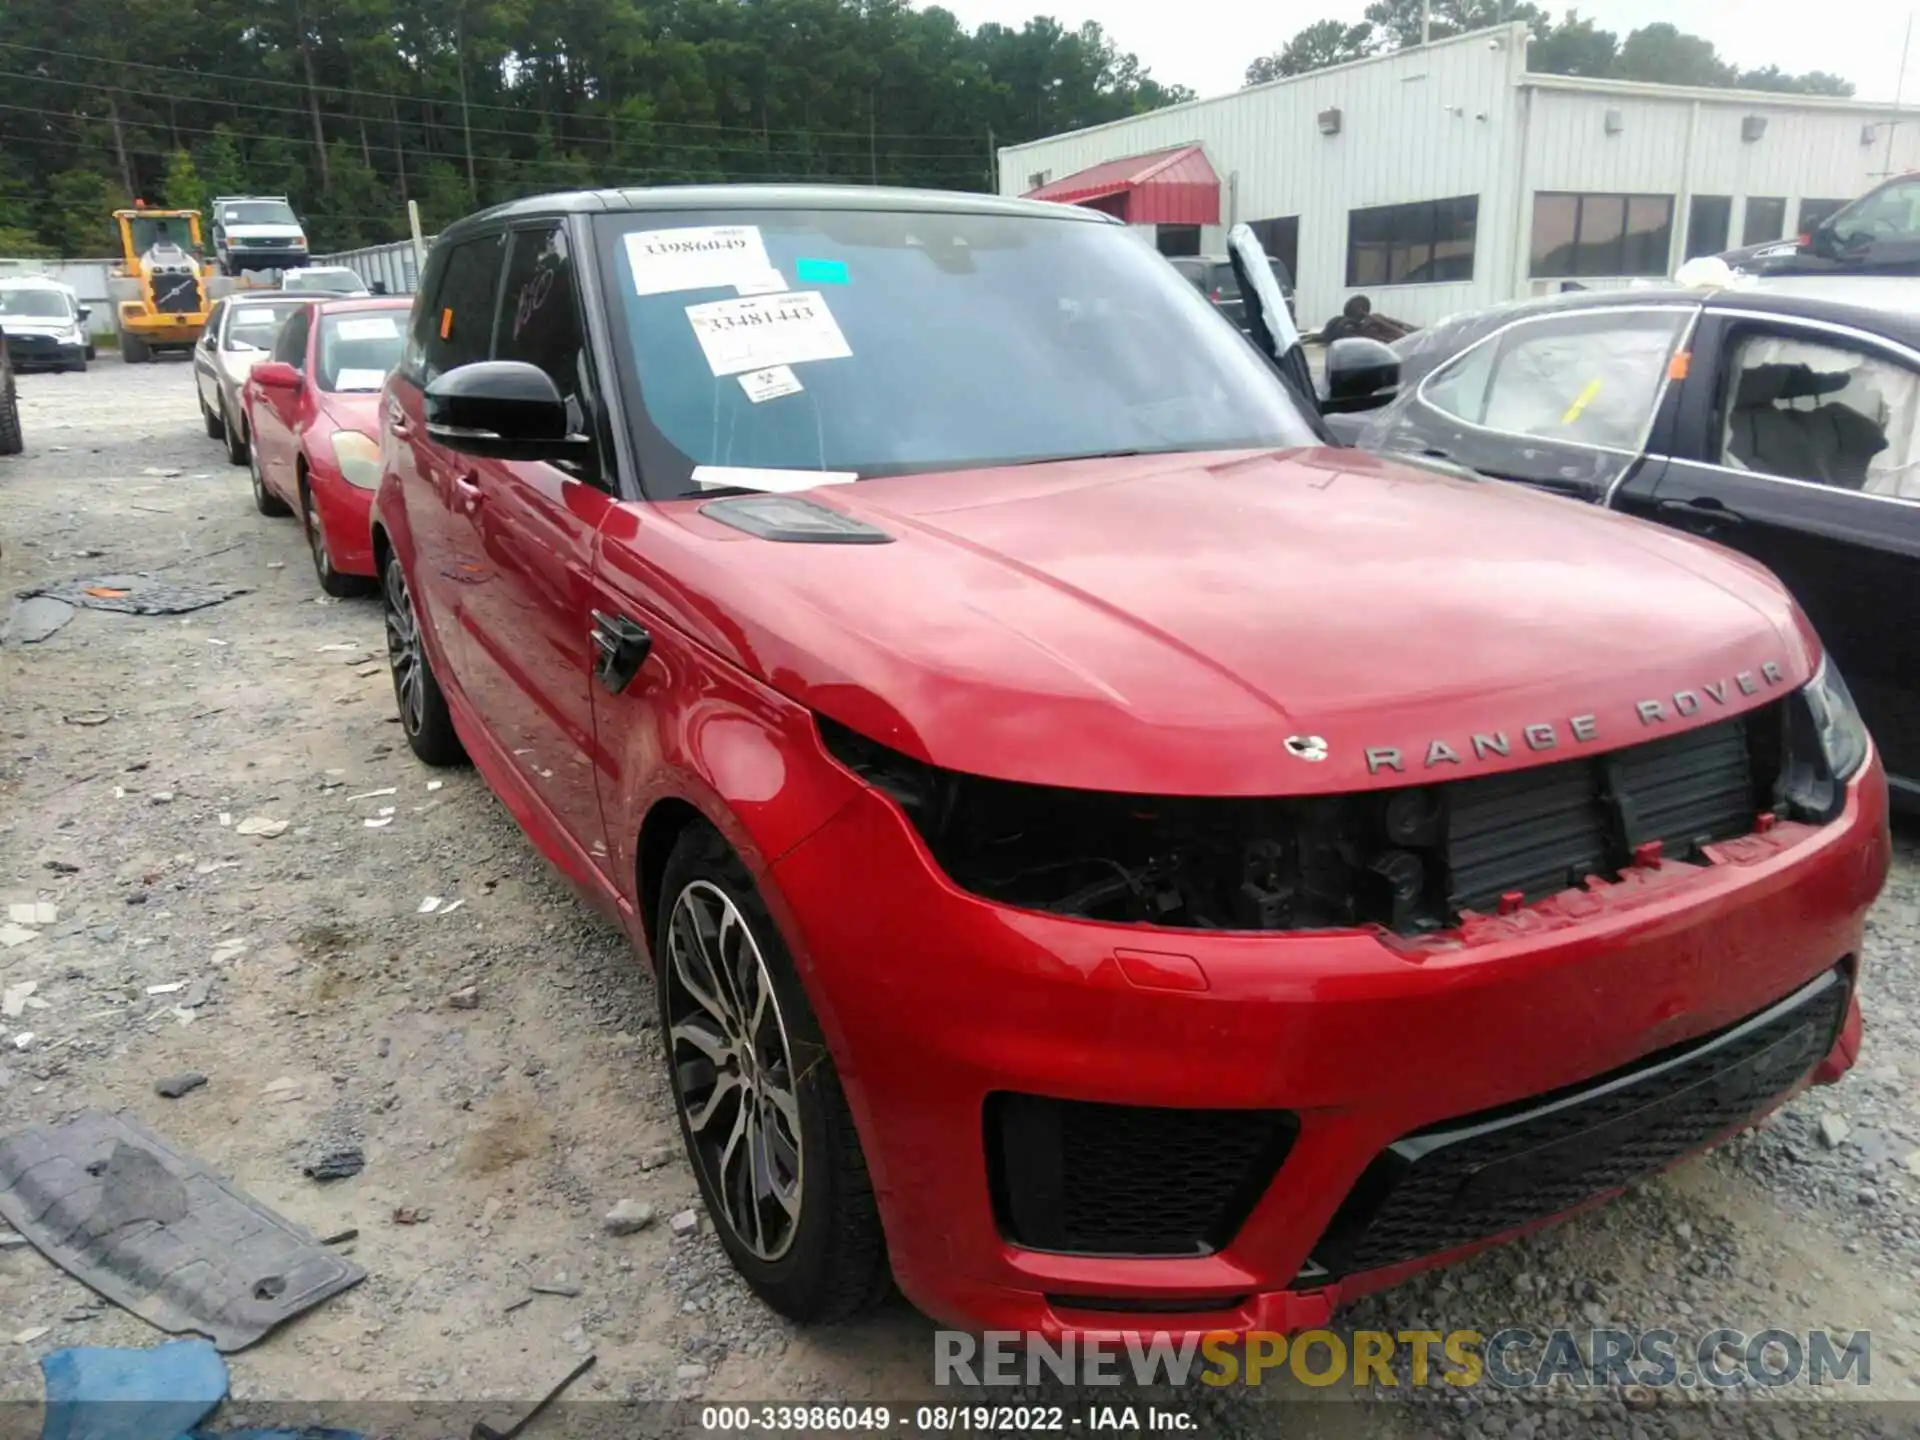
x: 155, y: 1231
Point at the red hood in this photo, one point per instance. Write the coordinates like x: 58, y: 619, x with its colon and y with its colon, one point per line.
x: 352, y: 410
x: 1165, y: 624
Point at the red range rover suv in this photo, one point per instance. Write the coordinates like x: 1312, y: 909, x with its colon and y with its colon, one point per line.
x: 1109, y: 860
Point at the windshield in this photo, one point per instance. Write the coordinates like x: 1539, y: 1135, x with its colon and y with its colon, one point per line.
x: 35, y: 304
x: 358, y: 349
x: 336, y: 282
x: 1891, y: 212
x: 173, y: 230
x: 253, y: 326
x: 258, y: 212
x: 912, y: 342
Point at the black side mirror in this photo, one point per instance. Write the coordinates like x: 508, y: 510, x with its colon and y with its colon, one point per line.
x: 1362, y: 374
x: 502, y: 410
x: 85, y: 311
x: 379, y: 287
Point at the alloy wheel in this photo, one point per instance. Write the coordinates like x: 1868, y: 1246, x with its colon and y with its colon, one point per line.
x: 732, y: 1068
x: 403, y: 650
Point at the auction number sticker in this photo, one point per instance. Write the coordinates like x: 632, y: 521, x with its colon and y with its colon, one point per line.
x: 760, y: 332
x: 697, y: 257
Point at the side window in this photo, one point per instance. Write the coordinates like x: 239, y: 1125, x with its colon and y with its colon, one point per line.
x: 460, y: 319
x: 211, y: 334
x: 1823, y: 412
x: 540, y: 316
x: 1584, y: 379
x: 291, y: 346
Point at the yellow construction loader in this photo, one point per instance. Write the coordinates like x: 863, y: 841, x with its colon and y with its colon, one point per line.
x: 162, y: 288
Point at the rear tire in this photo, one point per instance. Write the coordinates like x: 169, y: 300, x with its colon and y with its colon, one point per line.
x: 814, y: 1250
x: 237, y: 447
x: 423, y: 709
x: 12, y: 442
x: 134, y: 351
x: 264, y: 500
x: 331, y: 580
x: 216, y: 427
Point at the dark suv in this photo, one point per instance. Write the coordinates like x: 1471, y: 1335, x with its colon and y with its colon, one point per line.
x: 1876, y: 234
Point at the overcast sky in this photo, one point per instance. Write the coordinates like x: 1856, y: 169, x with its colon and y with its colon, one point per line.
x: 1206, y: 44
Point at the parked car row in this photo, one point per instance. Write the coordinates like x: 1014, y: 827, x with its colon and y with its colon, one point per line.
x: 1022, y: 743
x: 290, y: 383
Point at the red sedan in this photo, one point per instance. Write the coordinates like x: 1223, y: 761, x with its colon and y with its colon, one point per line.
x: 1109, y: 860
x: 313, y: 422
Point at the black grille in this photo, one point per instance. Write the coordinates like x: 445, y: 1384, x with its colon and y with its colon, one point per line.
x: 1542, y: 830
x: 1483, y: 1174
x: 176, y: 294
x: 1084, y: 1178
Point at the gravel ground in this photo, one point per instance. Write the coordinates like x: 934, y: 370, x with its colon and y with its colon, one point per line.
x: 499, y: 1064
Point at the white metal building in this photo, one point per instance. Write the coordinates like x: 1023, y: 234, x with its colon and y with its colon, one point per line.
x: 1447, y: 176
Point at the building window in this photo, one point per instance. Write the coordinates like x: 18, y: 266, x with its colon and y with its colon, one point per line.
x: 1281, y: 240
x: 1425, y: 243
x: 1589, y: 235
x: 1177, y: 239
x: 1709, y: 223
x: 1766, y: 219
x: 1812, y: 212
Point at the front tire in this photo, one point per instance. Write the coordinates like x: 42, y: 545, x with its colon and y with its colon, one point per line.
x: 134, y: 351
x: 238, y: 450
x: 423, y: 709
x: 264, y: 500
x: 331, y: 580
x: 216, y: 427
x: 12, y: 442
x: 761, y: 1110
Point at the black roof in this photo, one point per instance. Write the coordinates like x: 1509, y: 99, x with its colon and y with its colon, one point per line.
x: 771, y: 197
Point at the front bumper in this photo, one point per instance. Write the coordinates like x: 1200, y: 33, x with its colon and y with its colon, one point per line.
x: 346, y: 517
x: 43, y: 352
x: 935, y: 1000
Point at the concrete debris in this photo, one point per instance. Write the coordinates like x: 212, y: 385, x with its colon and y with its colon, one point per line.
x: 686, y: 1223
x: 336, y: 1163
x: 172, y: 987
x: 12, y: 935
x: 428, y: 905
x: 260, y: 825
x: 465, y: 998
x: 35, y: 619
x: 174, y: 1086
x: 34, y: 912
x: 376, y: 794
x: 1833, y: 1131
x: 629, y: 1217
x: 13, y: 1000
x: 31, y: 1334
x: 24, y: 1040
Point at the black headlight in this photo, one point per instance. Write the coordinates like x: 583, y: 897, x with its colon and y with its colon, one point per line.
x: 1827, y: 745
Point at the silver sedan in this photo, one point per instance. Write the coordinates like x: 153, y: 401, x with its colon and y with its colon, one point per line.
x: 239, y: 335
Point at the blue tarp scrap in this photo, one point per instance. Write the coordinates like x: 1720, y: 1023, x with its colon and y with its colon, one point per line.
x: 160, y: 1393
x: 106, y: 1393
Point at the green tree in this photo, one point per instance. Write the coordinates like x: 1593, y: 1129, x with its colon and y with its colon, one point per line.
x: 1399, y: 20
x: 1667, y: 56
x: 1319, y: 45
x: 181, y: 187
x: 1574, y: 47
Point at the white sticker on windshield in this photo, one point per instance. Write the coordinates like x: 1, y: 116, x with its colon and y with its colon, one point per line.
x: 769, y: 283
x: 695, y: 257
x: 359, y: 379
x: 753, y: 334
x: 367, y: 327
x: 773, y: 482
x: 770, y: 384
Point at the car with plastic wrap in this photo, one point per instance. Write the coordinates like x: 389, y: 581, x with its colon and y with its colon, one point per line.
x: 313, y: 415
x: 1111, y: 861
x: 1778, y: 417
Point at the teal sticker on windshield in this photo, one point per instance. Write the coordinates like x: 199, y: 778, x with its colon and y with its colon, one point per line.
x: 820, y: 272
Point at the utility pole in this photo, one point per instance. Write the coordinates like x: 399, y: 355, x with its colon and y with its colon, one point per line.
x: 873, y: 141
x: 399, y: 146
x: 466, y: 126
x: 120, y: 145
x: 993, y: 165
x: 1426, y: 22
x: 313, y: 96
x: 1899, y: 90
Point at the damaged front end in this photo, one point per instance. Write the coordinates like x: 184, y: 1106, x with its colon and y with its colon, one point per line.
x: 1412, y: 861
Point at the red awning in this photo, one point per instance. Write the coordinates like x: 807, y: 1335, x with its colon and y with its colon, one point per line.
x: 1168, y: 187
